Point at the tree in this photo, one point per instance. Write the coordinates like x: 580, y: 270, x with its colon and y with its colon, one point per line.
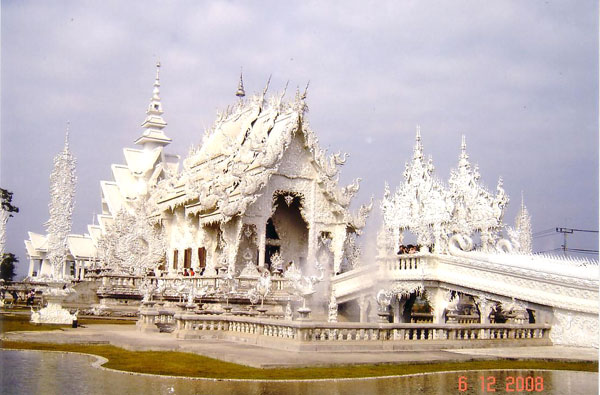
x: 7, y: 267
x: 6, y: 208
x: 6, y: 199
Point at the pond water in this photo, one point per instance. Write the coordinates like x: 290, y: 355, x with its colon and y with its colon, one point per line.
x: 34, y: 372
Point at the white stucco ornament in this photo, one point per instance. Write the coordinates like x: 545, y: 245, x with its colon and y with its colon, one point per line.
x: 521, y: 236
x: 53, y: 313
x: 62, y: 201
x: 424, y: 206
x: 132, y: 244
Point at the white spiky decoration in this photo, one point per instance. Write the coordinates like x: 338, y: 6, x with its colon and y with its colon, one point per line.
x: 421, y: 204
x: 475, y: 208
x: 62, y: 201
x: 523, y: 228
x: 433, y: 213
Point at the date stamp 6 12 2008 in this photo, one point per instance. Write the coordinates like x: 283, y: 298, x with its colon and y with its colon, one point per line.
x: 508, y: 383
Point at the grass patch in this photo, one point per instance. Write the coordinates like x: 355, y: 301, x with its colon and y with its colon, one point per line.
x: 193, y: 365
x: 20, y: 322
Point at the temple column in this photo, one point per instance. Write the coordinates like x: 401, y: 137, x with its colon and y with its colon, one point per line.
x: 398, y: 304
x: 439, y: 299
x: 485, y: 309
x: 195, y: 263
x: 312, y: 227
x: 31, y: 267
x: 363, y: 304
x: 261, y: 228
x: 339, y: 238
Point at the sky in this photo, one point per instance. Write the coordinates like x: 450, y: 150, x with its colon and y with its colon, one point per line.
x: 518, y: 78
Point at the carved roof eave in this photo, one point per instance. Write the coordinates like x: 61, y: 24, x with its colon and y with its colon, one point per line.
x: 277, y: 126
x: 327, y: 168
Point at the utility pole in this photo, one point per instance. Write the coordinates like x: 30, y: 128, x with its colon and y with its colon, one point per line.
x: 565, y: 231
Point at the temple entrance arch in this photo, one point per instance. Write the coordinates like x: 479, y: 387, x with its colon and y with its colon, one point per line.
x: 286, y: 232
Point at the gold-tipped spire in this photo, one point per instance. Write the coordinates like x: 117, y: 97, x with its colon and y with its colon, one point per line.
x: 240, y: 90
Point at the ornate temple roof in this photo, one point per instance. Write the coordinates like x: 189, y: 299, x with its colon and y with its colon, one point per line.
x: 240, y: 153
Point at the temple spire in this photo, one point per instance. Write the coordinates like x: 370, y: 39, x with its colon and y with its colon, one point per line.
x: 240, y: 90
x: 67, y: 137
x: 463, y: 159
x: 418, y: 150
x: 154, y: 123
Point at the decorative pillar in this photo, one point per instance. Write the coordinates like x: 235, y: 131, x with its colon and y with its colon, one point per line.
x: 195, y: 260
x: 398, y: 304
x: 312, y: 228
x: 485, y: 309
x: 261, y: 228
x: 439, y: 299
x: 363, y: 304
x: 31, y: 267
x: 339, y: 238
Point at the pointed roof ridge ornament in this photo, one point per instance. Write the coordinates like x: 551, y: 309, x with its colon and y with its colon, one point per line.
x: 267, y: 86
x: 305, y: 90
x: 240, y: 89
x: 66, y: 148
x: 418, y: 150
x: 464, y: 157
x: 156, y: 90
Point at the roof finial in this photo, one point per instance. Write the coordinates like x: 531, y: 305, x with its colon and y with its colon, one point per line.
x: 156, y: 90
x: 67, y: 136
x: 305, y: 90
x: 267, y: 86
x: 418, y: 150
x: 240, y: 90
x: 463, y: 150
x: 154, y: 122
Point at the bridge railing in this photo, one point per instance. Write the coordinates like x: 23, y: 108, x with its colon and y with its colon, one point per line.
x: 403, y: 262
x: 171, y: 283
x: 307, y: 331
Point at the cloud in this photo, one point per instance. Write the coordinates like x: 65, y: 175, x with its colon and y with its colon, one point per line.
x: 518, y: 78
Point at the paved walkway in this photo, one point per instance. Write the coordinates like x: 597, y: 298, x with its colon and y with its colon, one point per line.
x: 127, y: 336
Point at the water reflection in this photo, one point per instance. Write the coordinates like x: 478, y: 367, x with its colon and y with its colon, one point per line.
x: 31, y: 372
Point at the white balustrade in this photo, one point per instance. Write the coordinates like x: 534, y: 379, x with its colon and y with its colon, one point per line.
x: 348, y: 332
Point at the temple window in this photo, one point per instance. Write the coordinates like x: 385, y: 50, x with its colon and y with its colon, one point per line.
x: 202, y: 257
x: 271, y: 232
x: 187, y: 258
x: 175, y: 258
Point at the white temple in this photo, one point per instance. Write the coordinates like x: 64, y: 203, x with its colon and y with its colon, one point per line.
x: 255, y: 212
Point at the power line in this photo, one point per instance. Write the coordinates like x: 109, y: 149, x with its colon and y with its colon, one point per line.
x: 546, y: 235
x: 551, y: 230
x: 583, y: 250
x: 566, y: 231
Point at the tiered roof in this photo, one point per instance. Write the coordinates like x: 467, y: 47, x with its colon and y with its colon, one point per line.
x: 241, y: 152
